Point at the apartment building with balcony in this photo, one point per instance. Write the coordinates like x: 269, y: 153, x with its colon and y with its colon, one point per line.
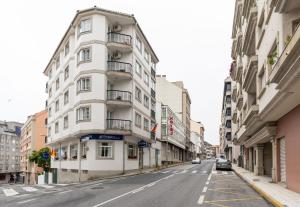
x: 171, y: 136
x: 33, y: 137
x: 9, y: 150
x: 101, y: 104
x: 176, y: 96
x: 266, y: 68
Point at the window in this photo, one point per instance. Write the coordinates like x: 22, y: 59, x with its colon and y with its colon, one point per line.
x: 66, y: 122
x: 105, y: 150
x: 58, y: 61
x: 228, y: 86
x: 146, y: 124
x: 83, y: 114
x: 146, y: 78
x: 49, y: 111
x: 50, y: 73
x: 138, y: 120
x: 138, y: 43
x: 67, y: 48
x: 84, y: 84
x: 64, y: 153
x: 138, y: 94
x: 66, y: 74
x: 56, y: 127
x: 228, y: 112
x: 146, y: 55
x: 138, y: 68
x: 57, y: 84
x: 66, y: 97
x: 73, y: 151
x: 228, y: 99
x: 262, y: 79
x: 83, y: 150
x: 164, y: 129
x: 57, y: 106
x: 153, y: 65
x: 84, y: 55
x: 152, y: 84
x: 132, y: 151
x: 85, y: 26
x: 50, y: 91
x: 146, y: 101
x: 49, y: 131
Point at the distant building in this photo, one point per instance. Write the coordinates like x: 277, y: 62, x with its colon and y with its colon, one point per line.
x: 33, y: 137
x: 9, y: 150
x: 197, y: 137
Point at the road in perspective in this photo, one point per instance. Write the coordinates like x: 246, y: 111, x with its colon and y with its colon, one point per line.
x: 185, y: 185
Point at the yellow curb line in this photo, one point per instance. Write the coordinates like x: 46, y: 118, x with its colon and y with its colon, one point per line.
x: 269, y: 198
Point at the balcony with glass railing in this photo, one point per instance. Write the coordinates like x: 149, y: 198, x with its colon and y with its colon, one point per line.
x: 119, y: 70
x: 120, y: 98
x: 119, y: 41
x: 118, y: 124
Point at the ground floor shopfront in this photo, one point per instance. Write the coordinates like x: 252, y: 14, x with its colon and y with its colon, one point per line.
x: 171, y: 153
x: 95, y: 156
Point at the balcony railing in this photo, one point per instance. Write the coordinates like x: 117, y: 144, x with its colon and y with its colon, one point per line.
x: 153, y: 72
x: 152, y: 114
x: 116, y: 95
x: 118, y: 124
x: 119, y: 38
x: 152, y: 93
x: 119, y: 66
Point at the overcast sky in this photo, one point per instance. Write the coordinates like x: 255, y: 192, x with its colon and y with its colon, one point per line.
x: 192, y: 39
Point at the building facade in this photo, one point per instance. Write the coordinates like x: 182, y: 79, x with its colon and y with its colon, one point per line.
x: 101, y: 97
x: 33, y: 137
x: 9, y: 150
x: 177, y: 98
x: 197, y: 137
x: 266, y: 68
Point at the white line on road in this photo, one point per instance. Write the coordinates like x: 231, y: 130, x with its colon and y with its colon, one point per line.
x: 204, y: 189
x: 67, y: 191
x: 26, y: 201
x: 201, y: 199
x: 207, y: 182
x: 46, y: 186
x: 203, y: 172
x: 209, y: 177
x: 195, y: 171
x: 29, y: 189
x: 224, y: 173
x: 10, y: 192
x: 182, y: 172
x: 138, y: 190
x: 166, y: 171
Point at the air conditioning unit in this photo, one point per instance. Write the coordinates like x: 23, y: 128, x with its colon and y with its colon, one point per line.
x: 117, y: 28
x: 117, y: 55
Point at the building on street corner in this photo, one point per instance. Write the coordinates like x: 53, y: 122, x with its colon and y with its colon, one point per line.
x: 266, y: 69
x: 101, y: 104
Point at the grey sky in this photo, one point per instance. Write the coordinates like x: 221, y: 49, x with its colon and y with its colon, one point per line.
x: 191, y: 39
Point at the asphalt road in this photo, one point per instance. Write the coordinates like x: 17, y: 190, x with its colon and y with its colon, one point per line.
x: 181, y: 186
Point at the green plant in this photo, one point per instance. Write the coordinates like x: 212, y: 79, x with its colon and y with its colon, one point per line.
x: 272, y: 57
x: 287, y: 40
x: 40, y: 158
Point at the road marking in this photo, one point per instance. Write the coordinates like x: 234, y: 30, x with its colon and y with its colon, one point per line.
x: 175, y: 172
x: 204, y: 189
x: 201, y: 199
x: 207, y: 182
x: 10, y: 192
x: 166, y: 171
x: 67, y: 191
x: 235, y: 199
x: 46, y: 186
x: 195, y: 171
x: 224, y: 173
x: 182, y: 172
x: 130, y: 192
x: 203, y: 172
x: 214, y: 172
x: 26, y: 201
x: 62, y: 184
x: 29, y: 189
x: 138, y: 190
x: 209, y: 177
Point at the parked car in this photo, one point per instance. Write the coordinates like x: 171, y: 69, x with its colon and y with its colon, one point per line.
x: 196, y: 161
x: 223, y: 164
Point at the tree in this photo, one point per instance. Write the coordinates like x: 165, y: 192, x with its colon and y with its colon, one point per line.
x: 41, y: 158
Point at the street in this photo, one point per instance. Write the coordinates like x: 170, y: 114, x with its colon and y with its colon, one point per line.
x: 186, y: 185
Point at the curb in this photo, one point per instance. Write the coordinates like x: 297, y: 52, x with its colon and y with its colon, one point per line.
x: 265, y: 195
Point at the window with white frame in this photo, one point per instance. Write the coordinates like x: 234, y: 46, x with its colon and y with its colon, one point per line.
x: 50, y: 73
x: 50, y: 91
x: 132, y: 151
x: 58, y: 61
x: 57, y: 84
x: 83, y: 114
x: 56, y: 105
x: 49, y: 111
x: 138, y: 43
x: 146, y: 55
x: 74, y: 151
x: 66, y: 122
x: 146, y: 101
x: 104, y: 150
x: 85, y: 25
x: 146, y: 124
x: 64, y: 152
x: 66, y: 73
x: 84, y: 84
x: 84, y: 55
x: 66, y: 97
x: 56, y: 127
x: 138, y: 68
x: 67, y: 48
x: 146, y: 78
x: 152, y: 84
x: 153, y: 65
x: 83, y: 150
x: 262, y: 79
x: 49, y: 131
x: 138, y: 120
x: 138, y: 94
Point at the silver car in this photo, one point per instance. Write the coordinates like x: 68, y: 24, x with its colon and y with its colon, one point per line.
x: 223, y: 164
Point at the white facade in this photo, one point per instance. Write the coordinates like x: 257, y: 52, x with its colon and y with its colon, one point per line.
x: 101, y: 87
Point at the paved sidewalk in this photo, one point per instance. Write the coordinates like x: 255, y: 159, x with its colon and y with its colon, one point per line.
x: 275, y: 193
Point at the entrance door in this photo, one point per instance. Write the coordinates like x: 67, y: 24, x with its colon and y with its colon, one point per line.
x: 282, y: 160
x: 141, y: 158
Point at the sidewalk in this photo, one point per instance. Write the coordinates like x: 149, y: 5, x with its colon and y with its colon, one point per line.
x: 275, y: 193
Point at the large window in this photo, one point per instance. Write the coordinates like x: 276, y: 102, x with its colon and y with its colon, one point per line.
x: 138, y: 43
x: 66, y: 97
x: 132, y: 151
x: 146, y: 124
x: 138, y: 120
x: 84, y: 55
x: 83, y: 114
x: 83, y: 150
x: 105, y: 150
x: 84, y: 84
x: 85, y: 26
x: 49, y: 112
x: 64, y: 153
x: 146, y: 55
x: 50, y: 92
x: 138, y: 68
x: 58, y: 61
x: 66, y: 122
x: 57, y: 84
x: 56, y: 127
x: 73, y: 151
x: 57, y: 105
x: 66, y: 73
x: 146, y: 78
x: 146, y: 101
x: 138, y: 94
x: 67, y: 48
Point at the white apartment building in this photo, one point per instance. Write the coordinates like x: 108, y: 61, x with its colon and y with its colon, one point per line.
x: 266, y: 68
x: 101, y: 92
